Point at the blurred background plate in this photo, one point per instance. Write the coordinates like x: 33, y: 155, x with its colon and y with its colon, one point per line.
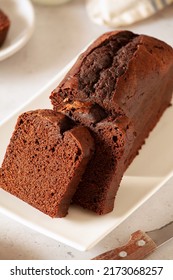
x: 21, y: 15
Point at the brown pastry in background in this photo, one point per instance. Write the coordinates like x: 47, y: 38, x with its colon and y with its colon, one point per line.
x: 4, y: 26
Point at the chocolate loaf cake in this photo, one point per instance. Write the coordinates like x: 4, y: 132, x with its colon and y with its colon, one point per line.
x: 45, y: 160
x: 119, y: 88
x: 4, y: 27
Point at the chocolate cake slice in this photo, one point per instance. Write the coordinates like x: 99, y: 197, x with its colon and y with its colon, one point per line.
x: 119, y: 88
x: 45, y: 160
x: 114, y: 136
x: 4, y: 26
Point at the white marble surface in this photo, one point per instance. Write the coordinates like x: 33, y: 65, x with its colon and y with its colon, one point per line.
x: 60, y: 33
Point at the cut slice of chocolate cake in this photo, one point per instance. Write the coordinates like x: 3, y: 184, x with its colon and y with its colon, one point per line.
x: 114, y: 137
x: 4, y: 26
x: 119, y: 88
x: 45, y: 160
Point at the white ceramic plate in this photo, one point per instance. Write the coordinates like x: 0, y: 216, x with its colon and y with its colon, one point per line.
x: 21, y: 15
x: 82, y: 229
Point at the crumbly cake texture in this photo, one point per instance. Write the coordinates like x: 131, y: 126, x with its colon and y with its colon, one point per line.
x: 45, y: 160
x: 4, y: 26
x: 119, y: 88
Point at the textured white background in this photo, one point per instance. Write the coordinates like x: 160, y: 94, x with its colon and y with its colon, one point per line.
x: 60, y: 33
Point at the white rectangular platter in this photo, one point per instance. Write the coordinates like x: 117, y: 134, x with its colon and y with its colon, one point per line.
x: 82, y: 229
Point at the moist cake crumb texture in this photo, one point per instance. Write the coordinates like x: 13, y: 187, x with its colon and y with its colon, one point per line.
x: 45, y: 160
